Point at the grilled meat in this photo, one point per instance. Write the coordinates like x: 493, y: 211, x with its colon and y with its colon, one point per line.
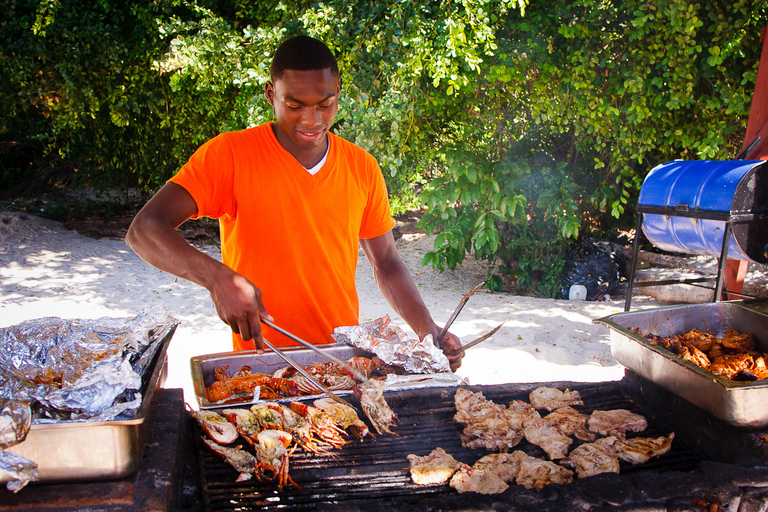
x: 505, y: 465
x: 492, y: 432
x: 548, y: 437
x: 616, y: 422
x: 436, y: 468
x: 732, y: 357
x: 469, y: 479
x: 487, y: 424
x: 552, y: 398
x: 535, y: 473
x: 593, y: 458
x: 470, y: 405
x: 640, y: 450
x: 570, y: 422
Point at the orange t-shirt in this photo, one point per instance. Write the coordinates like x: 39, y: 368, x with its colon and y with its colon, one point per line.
x: 293, y: 234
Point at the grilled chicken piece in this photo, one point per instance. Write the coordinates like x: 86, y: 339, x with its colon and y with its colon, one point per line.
x: 436, y: 468
x: 535, y: 473
x: 694, y: 355
x: 640, y: 450
x: 701, y: 340
x: 570, y: 422
x: 616, y: 422
x: 548, y: 437
x: 737, y: 341
x: 470, y: 405
x: 591, y: 459
x: 487, y: 424
x: 551, y: 398
x: 518, y: 412
x: 468, y: 479
x: 505, y: 465
x: 492, y: 432
x: 731, y: 366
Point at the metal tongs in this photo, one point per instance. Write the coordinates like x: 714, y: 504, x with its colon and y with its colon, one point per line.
x: 453, y: 316
x: 304, y: 372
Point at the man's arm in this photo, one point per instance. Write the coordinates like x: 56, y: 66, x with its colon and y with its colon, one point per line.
x: 154, y: 237
x: 397, y: 286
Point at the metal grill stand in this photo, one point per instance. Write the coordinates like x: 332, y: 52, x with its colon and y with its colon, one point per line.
x: 682, y: 211
x: 704, y: 207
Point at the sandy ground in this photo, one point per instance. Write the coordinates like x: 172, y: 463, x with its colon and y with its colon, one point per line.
x: 49, y: 271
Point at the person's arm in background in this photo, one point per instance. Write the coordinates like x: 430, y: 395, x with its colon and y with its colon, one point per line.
x: 154, y: 237
x: 397, y: 286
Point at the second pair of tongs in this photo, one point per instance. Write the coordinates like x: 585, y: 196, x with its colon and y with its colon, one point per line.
x: 304, y: 372
x: 453, y: 316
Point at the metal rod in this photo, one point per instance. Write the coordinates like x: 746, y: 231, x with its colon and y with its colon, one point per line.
x: 633, y: 268
x: 456, y: 313
x: 721, y: 264
x: 307, y: 344
x: 308, y: 375
x: 744, y: 154
x: 478, y: 340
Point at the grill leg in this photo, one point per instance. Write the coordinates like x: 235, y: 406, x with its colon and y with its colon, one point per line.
x: 635, y: 245
x: 721, y: 263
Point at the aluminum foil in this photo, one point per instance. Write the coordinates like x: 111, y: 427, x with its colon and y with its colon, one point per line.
x: 15, y: 420
x: 80, y: 370
x: 17, y: 470
x: 391, y: 344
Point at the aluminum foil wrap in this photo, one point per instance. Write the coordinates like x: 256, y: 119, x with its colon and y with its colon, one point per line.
x: 391, y: 344
x: 80, y: 370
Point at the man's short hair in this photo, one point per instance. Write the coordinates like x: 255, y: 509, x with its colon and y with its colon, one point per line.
x: 302, y: 53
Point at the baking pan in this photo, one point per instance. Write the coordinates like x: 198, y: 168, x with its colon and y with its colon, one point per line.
x: 203, y: 368
x: 742, y: 404
x: 86, y: 451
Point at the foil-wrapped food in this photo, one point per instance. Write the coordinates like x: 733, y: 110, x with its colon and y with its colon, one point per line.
x: 393, y: 346
x: 54, y: 370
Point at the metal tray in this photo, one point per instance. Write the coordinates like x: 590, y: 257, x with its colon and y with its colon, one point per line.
x: 203, y: 368
x: 86, y: 451
x: 742, y: 404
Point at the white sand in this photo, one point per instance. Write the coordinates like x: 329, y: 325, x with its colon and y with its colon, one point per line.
x: 47, y: 270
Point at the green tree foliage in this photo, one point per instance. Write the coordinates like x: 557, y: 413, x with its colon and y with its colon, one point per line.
x: 518, y: 126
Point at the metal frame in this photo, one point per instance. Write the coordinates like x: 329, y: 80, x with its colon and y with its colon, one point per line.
x: 683, y: 211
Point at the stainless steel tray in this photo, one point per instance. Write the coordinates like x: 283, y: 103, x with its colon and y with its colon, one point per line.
x: 202, y: 367
x: 86, y: 451
x: 742, y: 404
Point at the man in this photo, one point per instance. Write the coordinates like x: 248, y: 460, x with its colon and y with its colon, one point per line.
x: 293, y: 203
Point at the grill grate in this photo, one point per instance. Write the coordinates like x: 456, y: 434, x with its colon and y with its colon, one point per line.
x: 374, y: 473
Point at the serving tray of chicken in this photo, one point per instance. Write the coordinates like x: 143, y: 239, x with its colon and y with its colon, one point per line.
x: 714, y: 355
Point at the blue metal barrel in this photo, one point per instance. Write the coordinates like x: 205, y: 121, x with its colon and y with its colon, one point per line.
x: 681, y: 194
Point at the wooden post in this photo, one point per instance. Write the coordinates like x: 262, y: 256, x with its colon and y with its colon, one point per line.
x: 757, y: 126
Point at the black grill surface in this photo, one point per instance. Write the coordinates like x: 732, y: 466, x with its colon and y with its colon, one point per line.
x: 373, y: 474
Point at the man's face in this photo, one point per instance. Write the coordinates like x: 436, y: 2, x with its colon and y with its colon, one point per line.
x: 305, y: 104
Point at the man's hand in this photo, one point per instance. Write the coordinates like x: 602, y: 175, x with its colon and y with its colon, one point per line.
x: 238, y: 303
x: 448, y: 344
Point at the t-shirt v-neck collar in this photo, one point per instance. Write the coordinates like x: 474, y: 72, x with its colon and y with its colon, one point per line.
x: 311, y: 179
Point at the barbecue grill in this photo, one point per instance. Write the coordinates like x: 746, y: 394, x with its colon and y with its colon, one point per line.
x: 373, y: 475
x: 717, y: 208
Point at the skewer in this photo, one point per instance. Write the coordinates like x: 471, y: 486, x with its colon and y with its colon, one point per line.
x: 323, y: 353
x: 308, y: 375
